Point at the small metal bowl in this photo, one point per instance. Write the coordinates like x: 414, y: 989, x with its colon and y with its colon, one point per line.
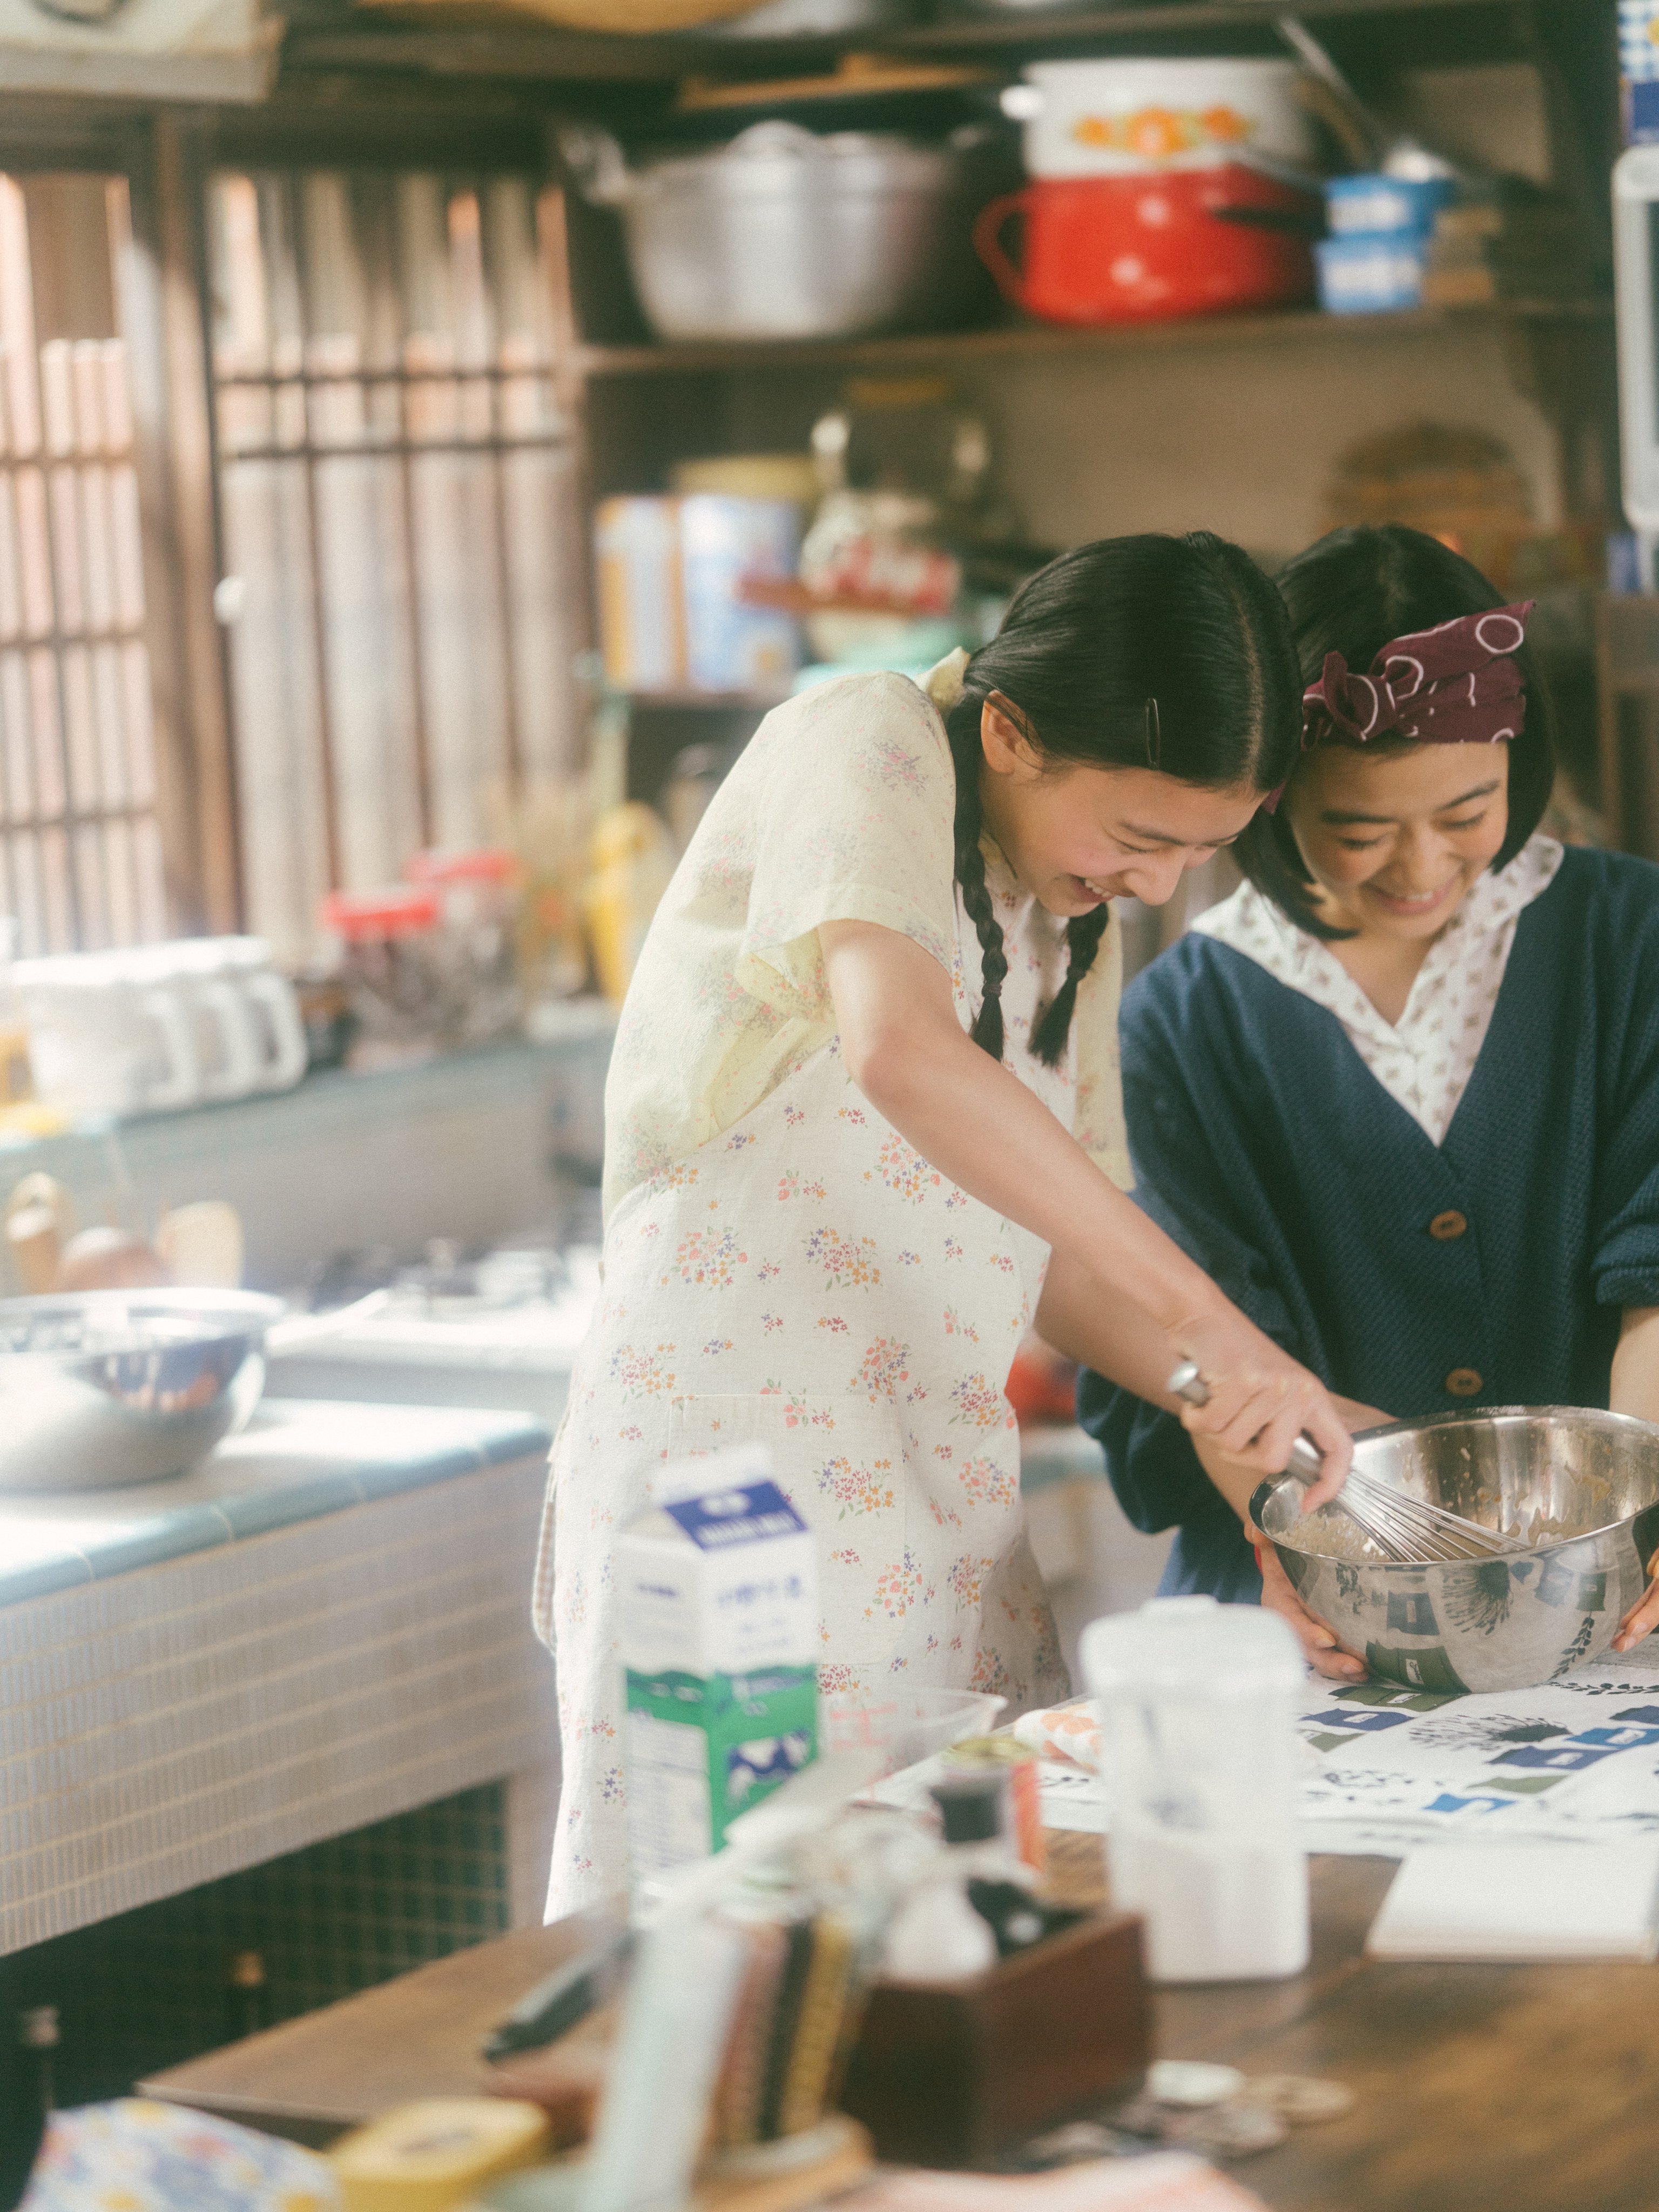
x: 113, y: 1387
x: 1500, y: 1624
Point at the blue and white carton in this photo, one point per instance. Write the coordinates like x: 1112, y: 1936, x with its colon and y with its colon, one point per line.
x: 718, y: 1586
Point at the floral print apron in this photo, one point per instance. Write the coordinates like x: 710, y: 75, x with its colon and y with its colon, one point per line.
x: 804, y: 1281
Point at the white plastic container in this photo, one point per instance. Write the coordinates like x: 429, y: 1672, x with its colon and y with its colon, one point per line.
x: 1635, y: 281
x: 1197, y: 1705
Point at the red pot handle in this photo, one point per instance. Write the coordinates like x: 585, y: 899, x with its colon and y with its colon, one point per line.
x: 988, y: 227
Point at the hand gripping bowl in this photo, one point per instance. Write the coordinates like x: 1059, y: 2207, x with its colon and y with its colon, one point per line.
x: 1587, y: 1482
x: 124, y: 1386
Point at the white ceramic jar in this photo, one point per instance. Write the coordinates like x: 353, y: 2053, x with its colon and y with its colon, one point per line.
x: 1197, y: 1705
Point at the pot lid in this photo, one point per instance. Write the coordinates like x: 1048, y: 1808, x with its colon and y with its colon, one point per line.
x: 767, y: 149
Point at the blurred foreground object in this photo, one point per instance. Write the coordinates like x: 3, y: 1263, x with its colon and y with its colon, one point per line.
x: 1198, y: 1702
x: 145, y: 2157
x: 430, y: 2156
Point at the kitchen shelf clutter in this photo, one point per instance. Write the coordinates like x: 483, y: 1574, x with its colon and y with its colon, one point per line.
x: 1128, y: 224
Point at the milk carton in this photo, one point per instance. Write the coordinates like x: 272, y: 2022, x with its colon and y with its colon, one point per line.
x: 719, y: 1635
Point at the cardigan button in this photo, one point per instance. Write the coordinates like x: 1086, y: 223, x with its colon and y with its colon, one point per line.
x: 1446, y: 1225
x: 1463, y: 1381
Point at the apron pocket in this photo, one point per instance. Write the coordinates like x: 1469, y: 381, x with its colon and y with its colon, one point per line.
x: 840, y: 1462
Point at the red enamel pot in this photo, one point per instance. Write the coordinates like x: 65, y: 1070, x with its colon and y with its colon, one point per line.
x: 1146, y: 248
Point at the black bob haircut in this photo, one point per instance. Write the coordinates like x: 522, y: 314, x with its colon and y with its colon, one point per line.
x: 1352, y: 593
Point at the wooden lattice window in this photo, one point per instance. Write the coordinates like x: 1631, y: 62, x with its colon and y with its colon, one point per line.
x: 81, y: 857
x: 399, y: 516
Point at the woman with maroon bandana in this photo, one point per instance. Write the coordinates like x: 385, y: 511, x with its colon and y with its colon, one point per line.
x: 1399, y: 1093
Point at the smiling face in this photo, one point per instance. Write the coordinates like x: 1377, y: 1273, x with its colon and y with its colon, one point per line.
x: 1076, y: 836
x: 1395, y: 839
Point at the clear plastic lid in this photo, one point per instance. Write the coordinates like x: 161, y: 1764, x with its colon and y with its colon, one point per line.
x: 1192, y: 1644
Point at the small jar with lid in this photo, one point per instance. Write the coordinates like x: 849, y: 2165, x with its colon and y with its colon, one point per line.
x: 478, y: 894
x: 391, y: 956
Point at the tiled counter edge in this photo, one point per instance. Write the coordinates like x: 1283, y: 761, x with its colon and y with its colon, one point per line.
x: 171, y: 1723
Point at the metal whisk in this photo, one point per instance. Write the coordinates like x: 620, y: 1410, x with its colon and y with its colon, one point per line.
x: 1407, y: 1531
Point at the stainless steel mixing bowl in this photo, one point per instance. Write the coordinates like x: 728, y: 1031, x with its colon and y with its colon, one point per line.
x: 1502, y: 1624
x: 124, y: 1386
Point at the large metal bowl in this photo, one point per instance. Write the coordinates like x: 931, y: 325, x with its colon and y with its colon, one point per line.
x: 1504, y: 1624
x: 124, y: 1386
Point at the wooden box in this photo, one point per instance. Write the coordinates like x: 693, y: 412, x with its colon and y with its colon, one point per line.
x: 949, y: 2073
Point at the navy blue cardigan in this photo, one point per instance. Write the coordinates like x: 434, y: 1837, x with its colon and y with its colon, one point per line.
x: 1264, y: 1145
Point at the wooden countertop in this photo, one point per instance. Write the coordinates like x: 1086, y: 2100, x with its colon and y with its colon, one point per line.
x: 1524, y: 2088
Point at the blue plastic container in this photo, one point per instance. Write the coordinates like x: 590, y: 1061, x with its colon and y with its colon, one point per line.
x: 1377, y: 206
x: 1371, y: 275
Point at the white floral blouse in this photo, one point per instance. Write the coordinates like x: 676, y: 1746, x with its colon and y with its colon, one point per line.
x: 1424, y: 1060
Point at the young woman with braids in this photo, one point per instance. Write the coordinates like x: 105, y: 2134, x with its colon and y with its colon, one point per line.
x: 863, y: 1123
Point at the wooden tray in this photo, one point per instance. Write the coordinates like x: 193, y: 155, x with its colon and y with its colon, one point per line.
x: 946, y: 2073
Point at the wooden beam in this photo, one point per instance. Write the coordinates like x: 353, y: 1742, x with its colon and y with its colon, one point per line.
x: 140, y: 319
x: 193, y: 546
x: 483, y: 42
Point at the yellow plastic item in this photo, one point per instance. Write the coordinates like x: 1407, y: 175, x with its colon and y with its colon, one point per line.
x: 30, y: 1117
x: 431, y: 2156
x: 633, y: 858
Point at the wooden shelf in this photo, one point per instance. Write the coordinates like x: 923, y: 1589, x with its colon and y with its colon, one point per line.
x: 705, y: 702
x: 1014, y: 340
x: 479, y: 42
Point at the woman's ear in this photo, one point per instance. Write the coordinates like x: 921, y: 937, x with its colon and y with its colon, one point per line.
x: 1007, y: 749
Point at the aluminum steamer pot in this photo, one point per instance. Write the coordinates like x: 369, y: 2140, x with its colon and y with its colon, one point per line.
x: 124, y: 1386
x: 783, y: 233
x: 1500, y: 1624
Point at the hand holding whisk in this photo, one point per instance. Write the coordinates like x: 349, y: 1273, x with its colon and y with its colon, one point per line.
x: 1405, y: 1530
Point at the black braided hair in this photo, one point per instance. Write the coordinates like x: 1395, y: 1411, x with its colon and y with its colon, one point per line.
x: 1184, y: 636
x: 1084, y: 934
x: 976, y: 898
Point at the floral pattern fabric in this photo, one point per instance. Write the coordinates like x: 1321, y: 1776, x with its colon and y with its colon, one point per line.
x: 138, y: 2156
x: 803, y: 1278
x: 1425, y: 1060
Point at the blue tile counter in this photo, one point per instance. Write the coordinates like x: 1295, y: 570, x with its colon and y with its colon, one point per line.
x: 325, y: 1623
x: 293, y: 1463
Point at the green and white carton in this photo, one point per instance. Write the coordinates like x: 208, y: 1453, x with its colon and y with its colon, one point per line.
x: 720, y: 1631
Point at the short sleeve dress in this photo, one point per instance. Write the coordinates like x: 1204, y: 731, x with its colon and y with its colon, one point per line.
x: 781, y: 1268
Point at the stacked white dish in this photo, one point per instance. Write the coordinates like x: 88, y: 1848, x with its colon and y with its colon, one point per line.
x: 160, y: 1026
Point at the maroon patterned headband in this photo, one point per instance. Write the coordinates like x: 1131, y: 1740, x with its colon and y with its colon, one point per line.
x: 1456, y: 684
